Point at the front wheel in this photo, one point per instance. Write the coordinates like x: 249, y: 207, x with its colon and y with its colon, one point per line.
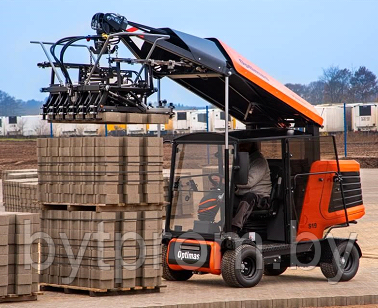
x: 169, y: 274
x: 242, y: 267
x: 342, y: 263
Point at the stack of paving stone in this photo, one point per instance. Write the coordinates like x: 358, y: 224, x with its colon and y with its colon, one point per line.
x: 19, y: 256
x: 100, y: 170
x: 109, y: 261
x: 20, y: 190
x: 166, y: 193
x: 117, y: 118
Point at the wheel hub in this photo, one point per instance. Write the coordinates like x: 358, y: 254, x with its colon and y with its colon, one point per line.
x: 247, y: 267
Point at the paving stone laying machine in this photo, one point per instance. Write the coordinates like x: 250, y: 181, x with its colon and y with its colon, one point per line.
x: 313, y: 191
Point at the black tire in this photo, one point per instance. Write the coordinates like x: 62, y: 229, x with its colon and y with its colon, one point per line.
x: 330, y: 265
x: 171, y: 275
x: 269, y: 270
x: 242, y: 267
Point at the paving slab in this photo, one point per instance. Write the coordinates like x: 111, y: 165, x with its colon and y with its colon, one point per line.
x: 295, y: 288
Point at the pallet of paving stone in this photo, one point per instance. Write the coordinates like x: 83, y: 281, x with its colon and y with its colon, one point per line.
x: 100, y: 170
x: 94, y: 292
x: 99, y: 208
x: 111, y: 273
x: 13, y: 298
x: 118, y: 118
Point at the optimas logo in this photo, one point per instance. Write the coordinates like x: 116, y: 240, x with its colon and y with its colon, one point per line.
x: 188, y: 255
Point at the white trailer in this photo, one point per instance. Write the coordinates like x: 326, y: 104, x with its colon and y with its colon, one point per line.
x: 2, y: 126
x: 217, y: 120
x: 136, y: 129
x: 10, y: 126
x: 198, y: 121
x: 237, y: 125
x: 333, y: 116
x: 365, y: 117
x: 152, y: 129
x: 182, y: 121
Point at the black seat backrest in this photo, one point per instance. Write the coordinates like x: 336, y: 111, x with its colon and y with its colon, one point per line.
x: 276, y: 178
x: 275, y: 194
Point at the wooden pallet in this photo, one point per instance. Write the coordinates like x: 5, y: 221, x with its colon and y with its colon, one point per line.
x: 68, y: 289
x: 12, y: 298
x: 122, y: 207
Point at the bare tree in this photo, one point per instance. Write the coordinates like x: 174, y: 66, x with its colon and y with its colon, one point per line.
x: 364, y: 85
x: 316, y: 92
x: 21, y: 126
x: 300, y: 89
x: 336, y: 84
x: 42, y: 128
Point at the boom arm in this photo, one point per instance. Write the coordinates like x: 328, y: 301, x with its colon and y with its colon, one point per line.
x: 198, y: 64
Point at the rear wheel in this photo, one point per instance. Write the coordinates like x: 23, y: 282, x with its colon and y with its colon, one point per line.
x: 169, y: 274
x: 242, y: 267
x: 340, y: 265
x: 270, y: 270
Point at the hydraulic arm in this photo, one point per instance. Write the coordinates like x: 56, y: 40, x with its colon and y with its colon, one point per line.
x: 200, y: 65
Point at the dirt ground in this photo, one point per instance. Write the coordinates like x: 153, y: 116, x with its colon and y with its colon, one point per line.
x: 17, y: 154
x: 21, y: 154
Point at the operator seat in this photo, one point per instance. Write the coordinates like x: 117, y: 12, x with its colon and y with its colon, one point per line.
x: 275, y: 195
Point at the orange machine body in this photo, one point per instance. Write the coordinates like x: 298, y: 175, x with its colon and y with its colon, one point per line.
x: 214, y: 259
x: 315, y: 217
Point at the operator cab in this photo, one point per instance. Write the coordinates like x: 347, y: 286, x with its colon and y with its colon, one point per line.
x: 198, y: 204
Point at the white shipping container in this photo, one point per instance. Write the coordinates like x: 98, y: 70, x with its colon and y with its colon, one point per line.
x: 182, y: 121
x: 198, y: 121
x: 365, y: 117
x: 333, y: 117
x: 136, y: 129
x: 217, y: 117
x: 2, y: 126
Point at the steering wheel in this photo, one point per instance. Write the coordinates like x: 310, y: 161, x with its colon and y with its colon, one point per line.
x: 216, y: 179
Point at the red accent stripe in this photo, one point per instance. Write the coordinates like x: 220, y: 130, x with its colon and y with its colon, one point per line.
x: 207, y: 209
x: 209, y: 200
x: 132, y: 29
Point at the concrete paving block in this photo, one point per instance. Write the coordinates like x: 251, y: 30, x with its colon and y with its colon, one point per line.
x: 251, y: 303
x: 204, y: 305
x: 4, y: 219
x: 370, y: 299
x: 340, y: 301
x: 113, y: 142
x: 157, y: 118
x: 42, y: 142
x: 310, y: 302
x: 233, y: 304
x: 4, y: 239
x: 152, y: 142
x: 24, y: 279
x: 3, y: 270
x: 3, y: 290
x: 265, y: 303
x: 326, y: 301
x: 102, y: 284
x: 4, y: 280
x: 355, y: 300
x: 133, y: 141
x: 113, y: 152
x: 280, y: 303
x: 130, y: 151
x: 23, y: 289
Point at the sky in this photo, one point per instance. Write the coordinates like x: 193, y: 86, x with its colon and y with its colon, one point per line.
x: 292, y: 40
